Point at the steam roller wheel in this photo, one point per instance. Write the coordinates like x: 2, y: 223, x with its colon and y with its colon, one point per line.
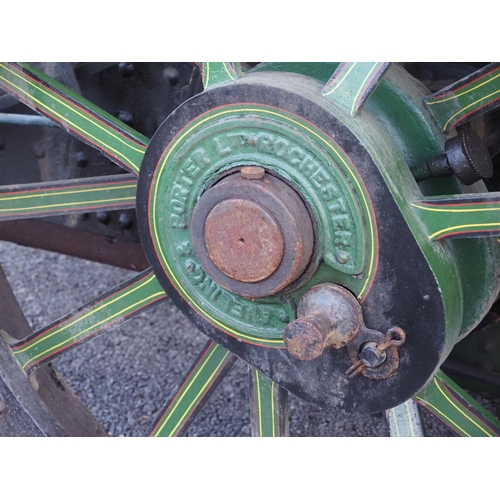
x: 328, y: 224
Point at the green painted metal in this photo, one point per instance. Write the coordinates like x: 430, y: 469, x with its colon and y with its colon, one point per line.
x: 479, y: 353
x: 404, y: 420
x: 62, y: 197
x: 236, y: 135
x: 214, y: 73
x: 467, y: 286
x: 460, y: 215
x: 466, y: 98
x: 120, y: 303
x: 413, y: 134
x: 202, y: 378
x: 79, y: 117
x: 456, y: 409
x: 352, y: 83
x: 269, y: 406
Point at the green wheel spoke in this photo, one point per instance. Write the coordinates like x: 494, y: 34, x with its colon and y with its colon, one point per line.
x: 269, y: 406
x: 92, y: 125
x: 193, y: 391
x: 114, y: 306
x: 353, y: 82
x: 460, y: 216
x: 404, y: 420
x: 61, y: 197
x: 468, y: 98
x: 213, y: 73
x: 456, y: 409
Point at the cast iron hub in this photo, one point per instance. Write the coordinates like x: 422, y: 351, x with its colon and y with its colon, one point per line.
x: 252, y: 236
x: 236, y: 254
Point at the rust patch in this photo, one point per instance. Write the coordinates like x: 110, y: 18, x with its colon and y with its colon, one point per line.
x: 243, y: 240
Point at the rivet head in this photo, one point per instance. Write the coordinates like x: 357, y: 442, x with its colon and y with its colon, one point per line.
x: 81, y: 159
x: 126, y: 69
x: 103, y: 217
x: 172, y: 75
x: 125, y: 221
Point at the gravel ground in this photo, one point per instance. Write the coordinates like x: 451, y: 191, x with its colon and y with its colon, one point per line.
x: 125, y: 375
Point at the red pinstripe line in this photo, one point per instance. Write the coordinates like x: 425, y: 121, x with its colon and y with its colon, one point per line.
x: 446, y: 423
x: 342, y: 67
x: 70, y: 187
x: 72, y: 103
x: 437, y: 95
x: 203, y: 395
x: 48, y: 211
x: 493, y: 232
x: 202, y: 357
x: 360, y: 100
x: 18, y: 346
x: 467, y: 204
x: 90, y: 335
x: 449, y: 391
x: 471, y: 112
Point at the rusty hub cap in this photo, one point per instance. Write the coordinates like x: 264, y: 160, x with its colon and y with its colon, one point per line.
x: 252, y: 233
x: 243, y: 240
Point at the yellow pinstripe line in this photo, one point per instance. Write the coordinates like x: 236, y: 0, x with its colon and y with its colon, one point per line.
x: 258, y: 402
x: 410, y: 419
x: 90, y: 313
x: 184, y: 392
x: 84, y: 132
x: 227, y: 71
x: 441, y: 413
x: 395, y: 420
x: 55, y: 192
x: 109, y: 131
x: 361, y: 88
x: 196, y: 398
x: 155, y: 231
x: 465, y: 91
x: 37, y: 207
x: 206, y: 75
x: 272, y: 407
x: 469, y: 106
x: 460, y: 410
x: 451, y: 210
x: 95, y: 325
x: 463, y: 226
x: 341, y: 81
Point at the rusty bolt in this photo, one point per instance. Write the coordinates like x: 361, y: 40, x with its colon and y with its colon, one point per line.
x: 328, y: 316
x: 371, y: 356
x: 252, y: 173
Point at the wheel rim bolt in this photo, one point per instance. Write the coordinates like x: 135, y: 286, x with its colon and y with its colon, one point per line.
x: 371, y: 356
